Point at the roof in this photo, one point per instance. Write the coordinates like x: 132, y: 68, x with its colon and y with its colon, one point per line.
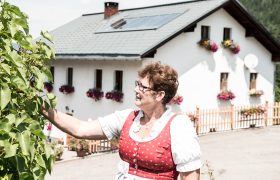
x: 78, y: 39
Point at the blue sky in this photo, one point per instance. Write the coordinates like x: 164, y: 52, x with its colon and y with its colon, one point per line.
x: 48, y: 15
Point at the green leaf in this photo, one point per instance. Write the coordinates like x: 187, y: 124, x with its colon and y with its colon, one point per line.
x: 40, y: 161
x: 26, y: 117
x: 47, y: 36
x: 47, y: 62
x: 25, y: 176
x: 30, y: 40
x: 19, y: 83
x: 36, y: 129
x: 4, y: 137
x: 53, y: 99
x: 51, y: 161
x: 1, y: 26
x: 14, y: 9
x: 20, y: 163
x: 36, y: 172
x: 21, y: 128
x: 21, y: 22
x: 13, y: 29
x: 5, y: 127
x: 32, y: 150
x: 40, y: 81
x: 47, y: 106
x: 15, y: 59
x: 10, y: 150
x: 40, y: 102
x: 52, y: 53
x: 26, y: 30
x: 47, y: 73
x: 24, y: 142
x: 11, y: 118
x: 22, y: 73
x: 5, y: 95
x: 48, y: 50
x: 32, y: 107
x: 48, y: 151
x: 8, y: 45
x: 6, y: 67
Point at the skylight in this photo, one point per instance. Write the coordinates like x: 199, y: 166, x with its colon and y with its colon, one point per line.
x: 139, y: 23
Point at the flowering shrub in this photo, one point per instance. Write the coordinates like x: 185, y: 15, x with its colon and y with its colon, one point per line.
x: 57, y: 149
x: 226, y: 95
x: 66, y: 89
x: 254, y: 110
x: 115, y: 95
x: 48, y: 86
x: 208, y: 44
x: 232, y: 46
x: 256, y: 93
x: 177, y: 99
x: 72, y: 145
x: 81, y: 144
x: 115, y: 144
x: 193, y: 117
x: 95, y: 93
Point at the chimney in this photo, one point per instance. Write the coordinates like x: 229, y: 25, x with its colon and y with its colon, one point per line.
x: 111, y: 8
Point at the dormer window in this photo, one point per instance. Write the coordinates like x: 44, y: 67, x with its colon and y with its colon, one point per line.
x: 205, y: 32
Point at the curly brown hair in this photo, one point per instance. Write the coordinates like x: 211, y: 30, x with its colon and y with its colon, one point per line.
x: 161, y: 78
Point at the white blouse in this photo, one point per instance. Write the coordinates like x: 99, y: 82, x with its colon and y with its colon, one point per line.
x: 184, y: 141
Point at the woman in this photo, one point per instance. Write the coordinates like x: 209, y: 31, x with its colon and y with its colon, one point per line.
x: 155, y: 143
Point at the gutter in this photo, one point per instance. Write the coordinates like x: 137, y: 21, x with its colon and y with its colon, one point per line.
x: 135, y: 57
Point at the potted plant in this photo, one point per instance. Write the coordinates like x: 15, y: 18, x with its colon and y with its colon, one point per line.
x: 57, y: 149
x: 115, y: 144
x: 115, y: 95
x: 193, y: 118
x: 95, y: 93
x: 66, y: 89
x: 177, y: 99
x: 81, y: 147
x: 226, y: 95
x: 254, y: 110
x: 48, y: 86
x: 255, y: 93
x: 231, y: 45
x: 208, y: 44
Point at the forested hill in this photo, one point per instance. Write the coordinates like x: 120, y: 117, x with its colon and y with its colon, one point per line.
x: 267, y: 12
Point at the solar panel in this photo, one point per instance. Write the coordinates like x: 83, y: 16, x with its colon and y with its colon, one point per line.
x: 141, y: 22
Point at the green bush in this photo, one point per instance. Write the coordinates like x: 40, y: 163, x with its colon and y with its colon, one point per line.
x: 22, y: 150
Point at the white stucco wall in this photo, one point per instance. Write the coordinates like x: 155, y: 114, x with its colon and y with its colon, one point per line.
x: 199, y: 70
x: 84, y: 79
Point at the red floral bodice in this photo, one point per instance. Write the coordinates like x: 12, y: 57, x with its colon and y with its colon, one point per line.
x: 152, y: 159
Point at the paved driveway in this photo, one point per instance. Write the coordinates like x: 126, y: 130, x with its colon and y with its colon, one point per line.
x: 239, y: 155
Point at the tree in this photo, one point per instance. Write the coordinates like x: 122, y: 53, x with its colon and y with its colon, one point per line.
x: 24, y: 155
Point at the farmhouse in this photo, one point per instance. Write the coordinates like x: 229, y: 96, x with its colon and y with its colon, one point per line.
x: 102, y: 49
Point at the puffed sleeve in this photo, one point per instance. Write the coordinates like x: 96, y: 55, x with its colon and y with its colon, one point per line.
x: 112, y: 124
x: 184, y: 144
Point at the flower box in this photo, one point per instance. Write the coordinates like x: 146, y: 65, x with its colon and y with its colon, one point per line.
x: 95, y: 93
x: 208, y: 44
x: 66, y: 89
x: 115, y: 95
x: 256, y: 93
x: 226, y: 95
x: 48, y: 86
x: 176, y: 100
x: 260, y: 110
x: 231, y: 45
x: 81, y: 153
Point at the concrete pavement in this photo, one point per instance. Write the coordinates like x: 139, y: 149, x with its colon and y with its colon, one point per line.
x: 251, y: 154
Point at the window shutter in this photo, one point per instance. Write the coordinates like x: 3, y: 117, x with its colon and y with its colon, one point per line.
x: 119, y: 76
x: 70, y: 76
x: 52, y: 71
x: 99, y: 78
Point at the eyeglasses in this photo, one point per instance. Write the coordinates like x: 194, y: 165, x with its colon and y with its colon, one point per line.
x: 142, y: 88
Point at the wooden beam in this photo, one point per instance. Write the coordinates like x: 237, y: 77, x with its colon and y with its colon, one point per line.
x: 275, y: 57
x: 251, y: 32
x: 151, y: 54
x: 191, y: 29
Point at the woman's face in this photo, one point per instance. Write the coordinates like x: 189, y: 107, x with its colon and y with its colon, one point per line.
x: 144, y: 98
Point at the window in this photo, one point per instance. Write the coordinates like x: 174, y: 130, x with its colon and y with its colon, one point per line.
x: 227, y: 33
x: 119, y: 76
x: 52, y: 71
x: 224, y: 81
x: 70, y: 76
x: 205, y: 32
x: 253, y: 80
x: 98, y: 79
